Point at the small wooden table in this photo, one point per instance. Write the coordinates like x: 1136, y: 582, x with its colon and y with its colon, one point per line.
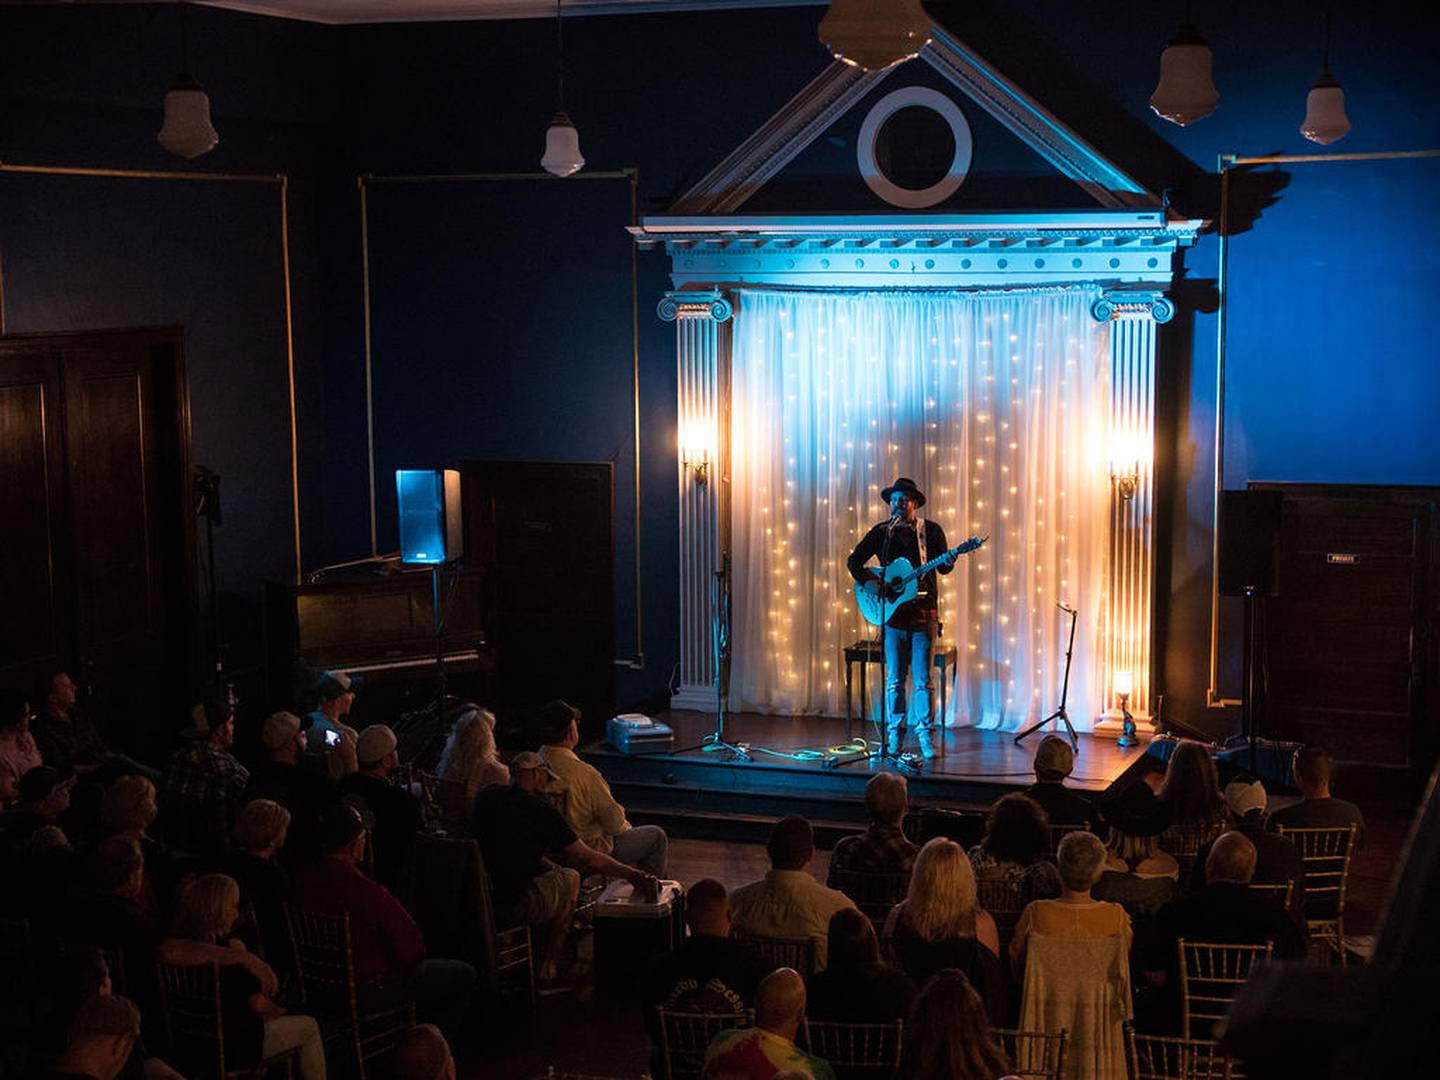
x: 869, y: 651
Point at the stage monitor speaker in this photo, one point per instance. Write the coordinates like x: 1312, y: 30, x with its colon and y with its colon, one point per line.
x: 431, y: 525
x: 1250, y: 542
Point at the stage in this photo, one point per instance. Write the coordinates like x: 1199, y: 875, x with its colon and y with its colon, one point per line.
x: 694, y: 791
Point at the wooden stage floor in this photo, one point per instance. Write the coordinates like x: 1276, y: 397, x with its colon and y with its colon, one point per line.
x: 797, y: 766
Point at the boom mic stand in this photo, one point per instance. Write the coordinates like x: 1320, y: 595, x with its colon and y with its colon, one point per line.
x: 716, y: 742
x: 1064, y: 689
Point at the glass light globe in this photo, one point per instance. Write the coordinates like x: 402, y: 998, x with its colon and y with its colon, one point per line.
x: 187, y: 130
x: 1185, y: 92
x: 875, y: 34
x: 562, y: 147
x: 1325, y: 120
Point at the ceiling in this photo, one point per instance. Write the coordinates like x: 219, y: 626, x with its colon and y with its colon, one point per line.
x: 339, y: 12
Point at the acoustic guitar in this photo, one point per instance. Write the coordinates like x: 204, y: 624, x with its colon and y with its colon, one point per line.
x: 902, y: 583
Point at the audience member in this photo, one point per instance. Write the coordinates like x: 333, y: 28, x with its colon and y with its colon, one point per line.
x: 883, y: 848
x: 42, y: 796
x: 788, y: 902
x: 1016, y: 848
x: 1191, y: 794
x: 469, y: 758
x: 264, y: 886
x: 329, y: 741
x: 100, y: 1040
x: 519, y: 831
x: 1226, y: 911
x: 1318, y: 809
x: 1277, y: 860
x: 940, y: 924
x: 1075, y: 914
x: 1054, y: 761
x: 18, y: 751
x: 398, y: 815
x: 589, y: 807
x: 389, y: 952
x: 284, y: 778
x: 709, y: 972
x: 83, y: 976
x: 422, y: 1053
x: 204, y: 785
x: 1137, y: 874
x: 255, y: 1026
x: 857, y: 987
x: 128, y: 809
x: 68, y: 738
x: 767, y: 1051
x: 948, y: 1034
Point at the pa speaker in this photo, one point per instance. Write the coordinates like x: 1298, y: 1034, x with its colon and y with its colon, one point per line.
x: 1249, y: 542
x: 431, y: 525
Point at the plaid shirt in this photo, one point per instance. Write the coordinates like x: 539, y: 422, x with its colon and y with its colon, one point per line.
x: 204, y: 788
x: 881, y: 849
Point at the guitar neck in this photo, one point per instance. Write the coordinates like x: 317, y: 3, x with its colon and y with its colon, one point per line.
x: 933, y: 563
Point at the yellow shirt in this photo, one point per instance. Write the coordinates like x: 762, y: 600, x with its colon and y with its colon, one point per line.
x: 787, y: 904
x: 589, y: 807
x: 1055, y: 918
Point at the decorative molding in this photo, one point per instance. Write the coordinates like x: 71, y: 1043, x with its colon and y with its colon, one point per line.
x: 689, y: 302
x: 1132, y: 303
x: 830, y: 95
x: 1129, y: 251
x: 1032, y: 123
x: 869, y: 163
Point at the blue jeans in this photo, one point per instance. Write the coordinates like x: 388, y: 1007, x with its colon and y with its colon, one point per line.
x: 645, y: 846
x: 907, y: 648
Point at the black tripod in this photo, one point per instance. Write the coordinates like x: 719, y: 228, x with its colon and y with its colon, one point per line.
x: 716, y: 742
x: 1064, y: 689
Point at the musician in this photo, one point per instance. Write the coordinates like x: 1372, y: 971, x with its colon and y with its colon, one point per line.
x: 910, y: 631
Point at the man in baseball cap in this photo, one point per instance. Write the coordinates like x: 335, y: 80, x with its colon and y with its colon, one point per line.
x: 398, y: 814
x: 1054, y: 760
x: 1277, y: 860
x: 328, y: 738
x: 285, y: 777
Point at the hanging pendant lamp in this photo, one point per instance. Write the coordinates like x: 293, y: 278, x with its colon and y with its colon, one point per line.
x: 186, y: 130
x: 562, y: 141
x: 1325, y: 120
x: 875, y: 34
x: 1185, y: 92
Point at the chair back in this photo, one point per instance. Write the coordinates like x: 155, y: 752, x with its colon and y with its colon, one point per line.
x: 1210, y: 975
x: 1083, y: 986
x: 797, y: 953
x: 874, y: 894
x: 452, y: 799
x: 443, y: 888
x: 324, y: 964
x: 194, y: 1021
x: 1004, y: 898
x: 1281, y: 894
x: 1325, y: 855
x: 1036, y: 1055
x: 928, y: 822
x: 1060, y: 830
x: 856, y: 1051
x: 685, y: 1036
x: 1159, y: 1057
x: 1185, y: 842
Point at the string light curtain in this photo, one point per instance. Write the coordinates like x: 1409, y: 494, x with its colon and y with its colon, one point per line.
x: 997, y: 404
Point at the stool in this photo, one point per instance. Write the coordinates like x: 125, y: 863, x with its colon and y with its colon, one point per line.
x: 868, y: 651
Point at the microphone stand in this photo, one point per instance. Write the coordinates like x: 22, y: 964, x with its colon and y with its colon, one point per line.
x: 720, y: 654
x: 884, y: 755
x: 1060, y: 713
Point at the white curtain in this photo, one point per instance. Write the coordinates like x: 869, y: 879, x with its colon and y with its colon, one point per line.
x: 996, y: 404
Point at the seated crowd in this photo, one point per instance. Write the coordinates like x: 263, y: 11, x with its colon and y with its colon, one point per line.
x: 1067, y: 913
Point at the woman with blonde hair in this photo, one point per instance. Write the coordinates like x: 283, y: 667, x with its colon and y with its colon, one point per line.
x: 260, y: 832
x: 256, y: 1027
x: 468, y: 763
x: 940, y: 924
x: 127, y: 810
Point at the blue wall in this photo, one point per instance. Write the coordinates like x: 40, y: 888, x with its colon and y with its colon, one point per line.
x: 502, y: 310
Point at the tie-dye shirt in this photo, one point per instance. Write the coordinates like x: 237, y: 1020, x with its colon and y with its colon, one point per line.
x: 757, y: 1054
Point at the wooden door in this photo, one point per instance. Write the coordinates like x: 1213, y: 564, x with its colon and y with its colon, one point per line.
x: 1346, y: 640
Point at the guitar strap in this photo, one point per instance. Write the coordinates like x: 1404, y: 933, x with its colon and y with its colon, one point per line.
x: 920, y: 540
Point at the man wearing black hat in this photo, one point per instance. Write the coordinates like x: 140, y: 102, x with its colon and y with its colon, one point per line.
x: 910, y: 630
x: 204, y: 784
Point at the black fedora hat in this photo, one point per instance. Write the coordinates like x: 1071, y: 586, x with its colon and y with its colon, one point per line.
x: 906, y: 485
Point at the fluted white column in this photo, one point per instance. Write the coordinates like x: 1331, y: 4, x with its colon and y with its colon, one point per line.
x: 1128, y: 634
x: 702, y: 357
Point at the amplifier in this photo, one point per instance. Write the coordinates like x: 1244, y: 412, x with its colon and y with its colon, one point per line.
x: 636, y: 733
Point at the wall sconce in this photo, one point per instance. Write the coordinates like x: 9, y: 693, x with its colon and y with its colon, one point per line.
x: 1129, y: 455
x: 1123, y: 686
x: 697, y: 448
